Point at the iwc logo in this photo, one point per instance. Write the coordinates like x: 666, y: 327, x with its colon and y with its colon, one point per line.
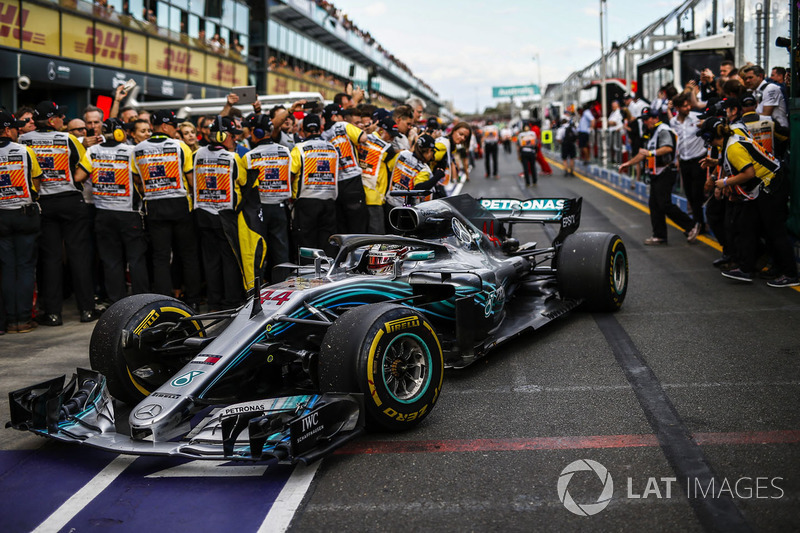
x: 585, y: 509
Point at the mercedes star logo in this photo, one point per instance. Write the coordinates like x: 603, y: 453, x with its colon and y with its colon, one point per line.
x: 148, y: 411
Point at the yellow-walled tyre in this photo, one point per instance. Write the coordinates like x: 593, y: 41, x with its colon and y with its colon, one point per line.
x: 133, y: 372
x: 392, y: 355
x: 593, y: 266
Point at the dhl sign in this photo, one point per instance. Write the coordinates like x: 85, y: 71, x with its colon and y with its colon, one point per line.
x: 38, y: 28
x: 30, y: 27
x: 102, y: 44
x: 178, y: 61
x: 12, y: 20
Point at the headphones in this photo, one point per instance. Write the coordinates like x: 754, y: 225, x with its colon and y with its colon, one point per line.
x: 261, y: 124
x: 219, y: 135
x: 116, y: 128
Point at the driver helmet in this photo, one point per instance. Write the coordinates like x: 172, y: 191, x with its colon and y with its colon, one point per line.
x: 381, y: 257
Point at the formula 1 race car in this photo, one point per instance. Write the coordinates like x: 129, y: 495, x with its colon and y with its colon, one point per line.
x: 342, y: 344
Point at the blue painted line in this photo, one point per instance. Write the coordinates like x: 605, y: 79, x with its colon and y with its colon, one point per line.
x: 210, y: 504
x: 34, y: 483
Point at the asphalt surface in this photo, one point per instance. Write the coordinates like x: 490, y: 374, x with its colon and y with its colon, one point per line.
x: 691, y: 388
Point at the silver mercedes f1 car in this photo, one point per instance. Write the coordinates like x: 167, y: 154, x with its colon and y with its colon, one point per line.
x: 346, y: 343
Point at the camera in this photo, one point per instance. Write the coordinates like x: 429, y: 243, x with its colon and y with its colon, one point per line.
x: 130, y: 84
x: 784, y: 42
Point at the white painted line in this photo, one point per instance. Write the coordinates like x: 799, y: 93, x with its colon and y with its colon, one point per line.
x: 287, y: 502
x: 211, y: 469
x: 70, y: 508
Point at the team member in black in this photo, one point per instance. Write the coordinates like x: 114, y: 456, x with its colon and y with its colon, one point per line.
x: 315, y: 170
x: 527, y: 144
x: 65, y: 215
x: 163, y: 168
x: 220, y: 177
x: 19, y: 226
x: 660, y: 156
x: 119, y: 224
x: 271, y: 161
x: 753, y: 176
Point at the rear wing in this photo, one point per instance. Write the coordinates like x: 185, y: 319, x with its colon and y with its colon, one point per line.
x: 564, y: 211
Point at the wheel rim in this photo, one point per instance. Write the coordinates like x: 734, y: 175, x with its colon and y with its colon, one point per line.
x: 407, y: 368
x: 619, y: 272
x: 147, y: 370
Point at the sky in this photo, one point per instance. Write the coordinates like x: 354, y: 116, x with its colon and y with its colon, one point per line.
x: 463, y: 48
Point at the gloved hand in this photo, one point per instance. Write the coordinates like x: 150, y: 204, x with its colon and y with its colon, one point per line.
x: 438, y: 174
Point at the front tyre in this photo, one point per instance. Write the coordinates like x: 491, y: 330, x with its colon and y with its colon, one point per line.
x: 392, y: 355
x: 134, y: 372
x: 593, y: 266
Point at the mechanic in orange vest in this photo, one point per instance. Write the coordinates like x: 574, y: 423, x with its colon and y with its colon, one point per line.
x: 351, y: 207
x: 66, y: 219
x: 315, y: 172
x: 19, y: 226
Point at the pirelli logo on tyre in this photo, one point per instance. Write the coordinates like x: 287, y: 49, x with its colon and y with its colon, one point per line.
x: 147, y: 322
x: 401, y: 323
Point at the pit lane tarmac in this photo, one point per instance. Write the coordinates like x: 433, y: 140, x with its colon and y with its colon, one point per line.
x: 694, y: 381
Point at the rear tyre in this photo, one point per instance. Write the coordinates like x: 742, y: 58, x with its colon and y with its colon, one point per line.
x: 392, y: 355
x: 593, y: 266
x: 133, y: 373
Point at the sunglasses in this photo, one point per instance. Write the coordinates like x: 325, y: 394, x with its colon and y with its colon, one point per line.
x: 78, y: 129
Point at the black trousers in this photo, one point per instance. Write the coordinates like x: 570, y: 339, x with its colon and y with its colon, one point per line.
x: 661, y: 205
x: 313, y: 222
x: 773, y: 210
x: 745, y: 224
x: 178, y: 235
x: 19, y: 230
x: 528, y: 160
x: 224, y: 282
x: 715, y: 216
x: 490, y: 151
x: 65, y: 227
x: 120, y: 240
x: 694, y: 178
x: 351, y: 207
x: 276, y: 229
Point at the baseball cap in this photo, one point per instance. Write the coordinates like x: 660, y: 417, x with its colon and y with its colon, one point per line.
x: 628, y: 96
x: 47, y: 109
x: 312, y: 123
x: 748, y: 100
x: 380, y: 113
x: 426, y: 141
x: 389, y: 125
x: 713, y: 109
x: 163, y: 116
x: 330, y: 110
x: 259, y: 121
x: 648, y: 112
x: 433, y: 123
x: 730, y: 103
x: 708, y: 130
x: 8, y: 120
x: 225, y: 124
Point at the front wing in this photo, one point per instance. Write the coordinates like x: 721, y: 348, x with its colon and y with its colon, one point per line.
x: 292, y: 429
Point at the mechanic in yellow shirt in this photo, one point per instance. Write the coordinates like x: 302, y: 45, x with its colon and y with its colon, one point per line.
x: 377, y: 157
x: 760, y: 193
